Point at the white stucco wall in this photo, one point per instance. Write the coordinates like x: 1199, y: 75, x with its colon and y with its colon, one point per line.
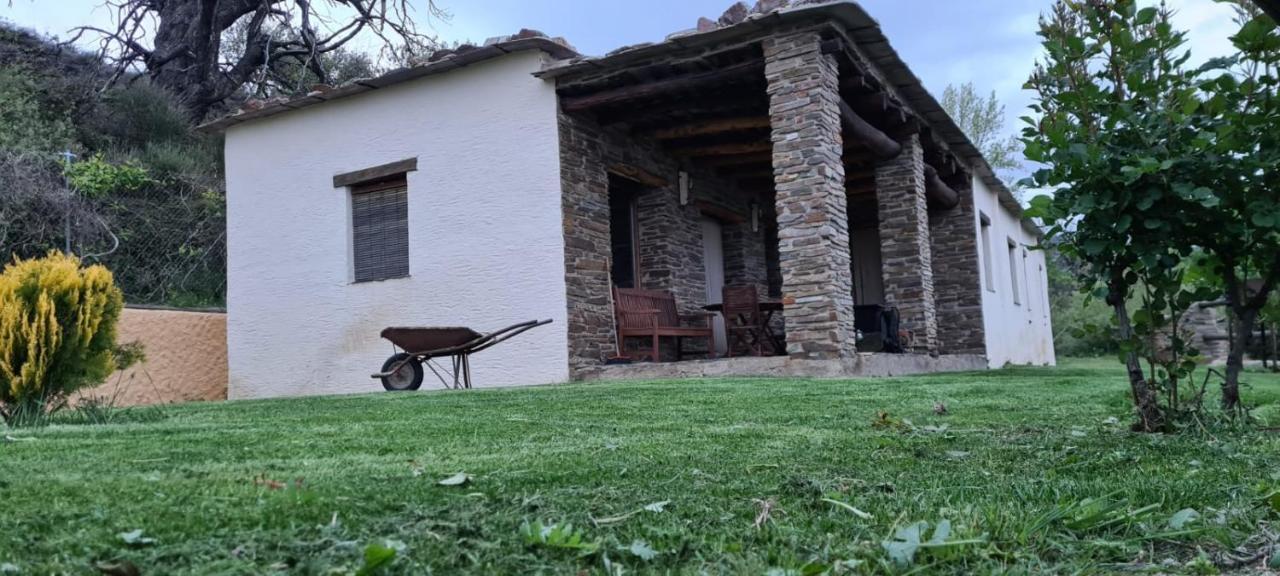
x: 485, y: 233
x: 1018, y: 332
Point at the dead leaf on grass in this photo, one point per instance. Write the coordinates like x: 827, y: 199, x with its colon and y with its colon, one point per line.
x: 136, y: 538
x: 850, y: 508
x: 767, y: 509
x: 652, y: 507
x: 459, y: 479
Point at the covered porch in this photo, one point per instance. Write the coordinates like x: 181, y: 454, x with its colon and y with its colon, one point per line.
x: 779, y: 153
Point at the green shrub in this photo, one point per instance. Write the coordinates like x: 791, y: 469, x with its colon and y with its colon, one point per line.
x: 57, y: 333
x: 1082, y: 326
x: 139, y: 114
x: 97, y: 178
x: 26, y: 124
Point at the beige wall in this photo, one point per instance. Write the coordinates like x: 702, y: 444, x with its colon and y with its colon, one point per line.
x: 186, y: 358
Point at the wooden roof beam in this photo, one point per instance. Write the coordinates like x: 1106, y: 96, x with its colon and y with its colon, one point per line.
x: 711, y: 127
x: 731, y: 149
x: 940, y: 195
x: 864, y: 134
x: 666, y: 86
x: 756, y: 158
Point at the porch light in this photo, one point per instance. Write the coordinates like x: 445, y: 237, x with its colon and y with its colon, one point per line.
x: 685, y: 186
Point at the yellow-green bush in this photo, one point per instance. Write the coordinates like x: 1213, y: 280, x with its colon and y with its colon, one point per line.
x: 57, y: 333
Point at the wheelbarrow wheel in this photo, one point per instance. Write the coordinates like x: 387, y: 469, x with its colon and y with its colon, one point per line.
x: 407, y: 377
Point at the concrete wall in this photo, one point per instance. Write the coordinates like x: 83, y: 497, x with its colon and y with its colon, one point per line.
x: 1021, y: 331
x: 186, y: 359
x: 485, y: 239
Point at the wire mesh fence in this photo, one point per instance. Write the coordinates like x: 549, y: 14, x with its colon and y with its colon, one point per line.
x: 165, y: 243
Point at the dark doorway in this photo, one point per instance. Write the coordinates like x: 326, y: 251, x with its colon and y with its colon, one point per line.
x: 624, y: 236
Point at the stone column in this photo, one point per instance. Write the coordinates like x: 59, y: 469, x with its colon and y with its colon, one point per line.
x: 957, y: 281
x: 585, y: 205
x: 813, y: 227
x: 907, y: 262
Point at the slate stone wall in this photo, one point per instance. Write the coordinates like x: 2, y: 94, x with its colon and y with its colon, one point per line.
x: 957, y: 282
x: 813, y: 226
x: 670, y: 235
x: 905, y: 249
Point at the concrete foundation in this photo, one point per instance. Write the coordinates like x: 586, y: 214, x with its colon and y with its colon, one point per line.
x: 859, y: 366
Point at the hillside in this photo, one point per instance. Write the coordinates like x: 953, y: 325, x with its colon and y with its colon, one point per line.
x: 142, y: 193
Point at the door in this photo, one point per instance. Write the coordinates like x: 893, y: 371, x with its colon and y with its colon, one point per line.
x: 713, y: 261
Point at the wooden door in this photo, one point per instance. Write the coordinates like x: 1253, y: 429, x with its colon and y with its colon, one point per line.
x: 713, y: 261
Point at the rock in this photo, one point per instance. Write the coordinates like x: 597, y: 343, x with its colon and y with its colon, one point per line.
x: 628, y: 48
x: 681, y: 33
x: 735, y: 14
x: 767, y: 6
x: 706, y: 24
x: 528, y: 33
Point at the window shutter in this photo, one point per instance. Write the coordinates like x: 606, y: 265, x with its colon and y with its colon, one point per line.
x: 380, y: 230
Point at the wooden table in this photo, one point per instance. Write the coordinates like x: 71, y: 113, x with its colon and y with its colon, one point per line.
x: 769, y: 308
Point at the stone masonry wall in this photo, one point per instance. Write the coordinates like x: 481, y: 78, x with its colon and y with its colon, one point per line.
x: 670, y: 235
x: 906, y: 254
x: 813, y: 226
x: 957, y: 283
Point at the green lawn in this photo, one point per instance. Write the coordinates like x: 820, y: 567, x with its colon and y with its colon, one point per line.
x: 1012, y: 469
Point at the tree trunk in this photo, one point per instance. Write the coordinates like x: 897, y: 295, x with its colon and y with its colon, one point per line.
x: 1241, y: 329
x: 185, y: 45
x: 187, y: 49
x: 1145, y: 401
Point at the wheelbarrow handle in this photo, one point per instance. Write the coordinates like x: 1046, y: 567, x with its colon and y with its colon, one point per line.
x: 507, y: 333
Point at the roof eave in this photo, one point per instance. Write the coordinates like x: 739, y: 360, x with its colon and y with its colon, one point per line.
x: 398, y: 76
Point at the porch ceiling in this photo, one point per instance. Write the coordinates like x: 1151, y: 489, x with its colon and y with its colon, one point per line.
x: 709, y: 106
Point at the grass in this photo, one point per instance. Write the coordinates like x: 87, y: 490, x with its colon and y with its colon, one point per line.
x: 1028, y: 471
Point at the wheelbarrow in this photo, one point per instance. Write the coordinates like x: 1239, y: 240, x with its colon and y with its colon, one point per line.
x: 420, y: 347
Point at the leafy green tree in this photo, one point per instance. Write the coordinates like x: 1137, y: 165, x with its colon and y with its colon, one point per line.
x: 1241, y: 235
x: 1117, y: 137
x: 982, y: 119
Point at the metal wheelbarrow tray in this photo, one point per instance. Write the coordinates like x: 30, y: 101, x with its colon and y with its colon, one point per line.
x: 420, y: 346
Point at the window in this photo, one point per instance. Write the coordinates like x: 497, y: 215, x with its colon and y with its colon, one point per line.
x: 988, y: 267
x: 622, y: 232
x: 1026, y: 278
x: 1013, y: 271
x: 380, y: 229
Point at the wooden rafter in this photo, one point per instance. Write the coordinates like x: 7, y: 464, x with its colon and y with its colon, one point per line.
x: 666, y: 86
x: 710, y: 127
x: 731, y: 149
x: 862, y: 133
x: 753, y: 159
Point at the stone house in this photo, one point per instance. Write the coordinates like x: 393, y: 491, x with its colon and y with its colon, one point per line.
x: 785, y: 147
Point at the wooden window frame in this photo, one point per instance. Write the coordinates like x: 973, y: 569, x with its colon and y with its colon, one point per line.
x: 989, y: 267
x: 1013, y: 272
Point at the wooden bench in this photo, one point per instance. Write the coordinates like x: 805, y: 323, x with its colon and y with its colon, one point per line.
x: 652, y: 314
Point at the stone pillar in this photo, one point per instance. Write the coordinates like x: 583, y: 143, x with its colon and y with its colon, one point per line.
x: 957, y: 281
x: 813, y: 226
x: 906, y: 254
x: 585, y: 205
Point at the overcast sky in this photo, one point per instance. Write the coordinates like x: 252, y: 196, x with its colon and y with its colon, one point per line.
x: 991, y: 43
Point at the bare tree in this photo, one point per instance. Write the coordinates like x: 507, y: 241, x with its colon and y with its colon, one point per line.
x: 187, y: 55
